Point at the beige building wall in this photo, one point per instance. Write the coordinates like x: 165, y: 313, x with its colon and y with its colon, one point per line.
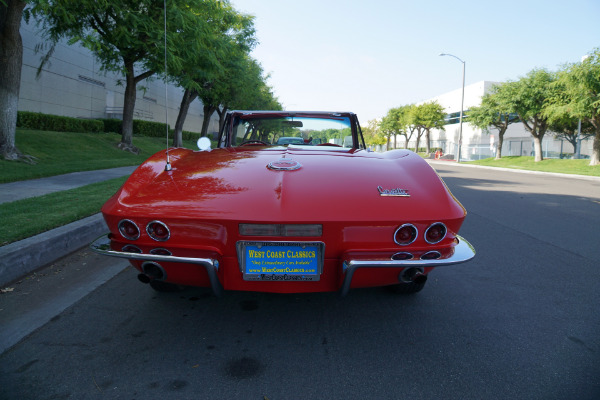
x: 73, y: 85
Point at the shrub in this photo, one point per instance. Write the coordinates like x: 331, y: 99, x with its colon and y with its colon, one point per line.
x: 48, y: 122
x: 148, y: 128
x: 112, y: 125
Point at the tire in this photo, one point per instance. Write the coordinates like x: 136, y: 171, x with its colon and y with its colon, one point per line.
x: 406, y: 288
x: 165, y: 287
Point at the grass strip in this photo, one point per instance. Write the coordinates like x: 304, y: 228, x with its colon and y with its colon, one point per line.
x: 28, y: 217
x: 578, y: 167
x: 64, y: 152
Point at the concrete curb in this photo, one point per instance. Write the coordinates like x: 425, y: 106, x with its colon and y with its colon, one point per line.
x: 25, y: 256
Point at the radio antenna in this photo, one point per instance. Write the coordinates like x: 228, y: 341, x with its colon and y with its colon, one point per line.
x: 168, y: 166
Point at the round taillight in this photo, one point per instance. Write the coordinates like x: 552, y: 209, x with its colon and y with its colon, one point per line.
x: 158, y: 231
x: 435, y: 233
x: 402, y: 256
x: 129, y: 229
x: 160, y: 252
x: 129, y: 248
x: 431, y: 255
x: 405, y: 235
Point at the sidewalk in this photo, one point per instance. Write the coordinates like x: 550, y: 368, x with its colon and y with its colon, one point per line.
x: 25, y: 256
x: 37, y: 187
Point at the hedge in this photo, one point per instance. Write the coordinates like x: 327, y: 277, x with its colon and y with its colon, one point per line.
x: 48, y: 122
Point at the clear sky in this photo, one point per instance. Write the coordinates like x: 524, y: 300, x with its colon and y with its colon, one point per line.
x: 368, y: 56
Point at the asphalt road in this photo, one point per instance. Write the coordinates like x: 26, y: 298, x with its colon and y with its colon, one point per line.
x: 521, y: 321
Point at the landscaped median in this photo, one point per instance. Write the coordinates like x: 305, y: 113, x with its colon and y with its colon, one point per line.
x: 28, y: 217
x: 554, y: 165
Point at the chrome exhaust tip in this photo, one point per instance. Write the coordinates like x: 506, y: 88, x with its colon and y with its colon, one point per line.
x: 154, y: 271
x: 413, y: 275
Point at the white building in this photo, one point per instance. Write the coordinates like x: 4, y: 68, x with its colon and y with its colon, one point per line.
x: 477, y: 144
x: 73, y: 85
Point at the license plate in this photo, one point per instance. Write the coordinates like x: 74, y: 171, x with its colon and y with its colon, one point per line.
x: 281, y: 261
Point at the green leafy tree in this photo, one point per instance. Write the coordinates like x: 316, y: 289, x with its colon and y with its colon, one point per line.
x: 565, y: 127
x: 433, y: 116
x: 529, y: 98
x: 389, y: 127
x: 580, y: 83
x: 128, y: 37
x: 396, y: 123
x: 372, y: 134
x: 227, y: 46
x: 494, y: 111
x: 247, y: 89
x: 423, y: 118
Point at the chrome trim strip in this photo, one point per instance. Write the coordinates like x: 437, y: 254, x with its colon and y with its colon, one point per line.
x: 102, y: 246
x: 463, y: 252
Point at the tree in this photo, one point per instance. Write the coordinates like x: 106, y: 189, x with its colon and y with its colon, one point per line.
x: 423, y: 118
x: 11, y: 60
x: 581, y: 100
x: 396, y: 122
x: 390, y: 126
x: 529, y: 98
x: 230, y: 40
x: 127, y: 37
x: 245, y: 89
x: 433, y: 116
x: 565, y: 127
x: 372, y: 134
x: 495, y: 110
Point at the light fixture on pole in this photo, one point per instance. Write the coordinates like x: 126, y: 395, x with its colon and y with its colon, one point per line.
x: 462, y: 104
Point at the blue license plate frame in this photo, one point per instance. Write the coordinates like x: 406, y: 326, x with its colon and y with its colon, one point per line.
x: 281, y: 261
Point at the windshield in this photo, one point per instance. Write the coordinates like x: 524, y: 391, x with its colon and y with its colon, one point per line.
x: 283, y: 131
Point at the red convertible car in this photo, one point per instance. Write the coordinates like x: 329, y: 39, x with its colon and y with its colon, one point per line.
x: 317, y: 213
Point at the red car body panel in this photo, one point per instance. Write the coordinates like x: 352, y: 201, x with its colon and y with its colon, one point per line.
x: 206, y: 195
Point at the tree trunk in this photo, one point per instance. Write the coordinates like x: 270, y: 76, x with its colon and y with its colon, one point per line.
x: 427, y: 142
x: 188, y: 96
x: 222, y: 113
x: 537, y: 145
x: 11, y: 60
x: 595, y: 156
x: 128, y: 107
x: 208, y: 112
x: 500, y: 142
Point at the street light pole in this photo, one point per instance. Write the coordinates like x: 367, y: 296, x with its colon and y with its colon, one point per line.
x: 462, y: 105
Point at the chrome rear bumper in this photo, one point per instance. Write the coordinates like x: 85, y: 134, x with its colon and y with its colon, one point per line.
x: 102, y: 246
x: 463, y: 252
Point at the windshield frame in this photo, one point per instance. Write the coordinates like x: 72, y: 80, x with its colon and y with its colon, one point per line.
x: 227, y: 133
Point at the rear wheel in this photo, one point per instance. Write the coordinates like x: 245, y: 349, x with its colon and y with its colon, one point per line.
x: 166, y: 287
x: 407, y: 287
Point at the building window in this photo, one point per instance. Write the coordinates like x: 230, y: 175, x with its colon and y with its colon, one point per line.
x: 93, y: 81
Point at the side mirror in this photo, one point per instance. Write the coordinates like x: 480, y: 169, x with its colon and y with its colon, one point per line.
x: 204, y: 143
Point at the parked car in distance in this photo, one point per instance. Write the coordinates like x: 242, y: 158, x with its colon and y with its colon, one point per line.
x: 319, y: 213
